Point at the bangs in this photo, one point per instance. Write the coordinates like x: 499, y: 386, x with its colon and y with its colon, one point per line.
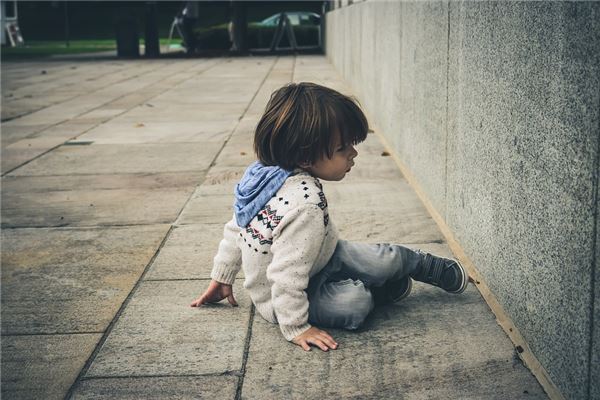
x: 346, y: 118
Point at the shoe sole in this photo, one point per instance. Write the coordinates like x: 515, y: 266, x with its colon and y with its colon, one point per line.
x: 406, y: 293
x: 465, y: 279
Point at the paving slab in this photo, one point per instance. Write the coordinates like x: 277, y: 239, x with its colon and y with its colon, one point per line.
x: 374, y: 210
x: 191, y: 113
x: 22, y: 144
x: 221, y: 180
x: 207, y: 90
x: 160, y: 334
x: 71, y: 280
x: 431, y: 345
x: 62, y: 111
x: 210, y: 204
x: 68, y: 78
x: 248, y: 123
x: 43, y: 366
x: 24, y: 150
x: 207, y: 210
x: 133, y: 158
x: 237, y: 153
x: 85, y: 200
x: 374, y: 162
x: 355, y: 192
x: 188, y: 253
x: 159, y: 388
x: 103, y: 113
x: 127, y: 101
x: 15, y: 108
x: 73, y: 128
x: 381, y: 227
x: 159, y: 132
x: 12, y: 133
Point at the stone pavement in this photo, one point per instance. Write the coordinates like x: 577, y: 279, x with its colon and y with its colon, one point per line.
x: 117, y: 178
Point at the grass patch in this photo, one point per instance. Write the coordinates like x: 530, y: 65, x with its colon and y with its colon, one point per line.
x: 48, y: 48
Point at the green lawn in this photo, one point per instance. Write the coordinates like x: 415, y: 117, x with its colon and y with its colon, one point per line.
x: 48, y: 48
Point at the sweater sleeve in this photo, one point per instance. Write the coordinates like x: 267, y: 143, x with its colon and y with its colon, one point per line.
x: 228, y: 260
x: 297, y: 241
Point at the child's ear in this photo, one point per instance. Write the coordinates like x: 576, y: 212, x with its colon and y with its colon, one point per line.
x: 304, y: 164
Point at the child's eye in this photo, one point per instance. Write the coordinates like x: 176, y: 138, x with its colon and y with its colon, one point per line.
x: 342, y: 148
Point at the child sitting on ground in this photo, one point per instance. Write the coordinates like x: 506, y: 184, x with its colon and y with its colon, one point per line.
x: 298, y: 273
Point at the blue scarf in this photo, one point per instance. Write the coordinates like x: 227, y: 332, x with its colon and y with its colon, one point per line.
x: 256, y: 188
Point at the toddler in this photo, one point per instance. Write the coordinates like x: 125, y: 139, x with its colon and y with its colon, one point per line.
x: 298, y: 273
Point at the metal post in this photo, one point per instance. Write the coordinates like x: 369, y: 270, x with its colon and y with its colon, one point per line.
x: 240, y: 25
x: 151, y: 40
x: 67, y: 24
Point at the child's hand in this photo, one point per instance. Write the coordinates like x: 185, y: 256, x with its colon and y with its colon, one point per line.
x: 216, y: 292
x: 317, y: 337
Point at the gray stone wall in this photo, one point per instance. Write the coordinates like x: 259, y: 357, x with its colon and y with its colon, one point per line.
x: 494, y: 107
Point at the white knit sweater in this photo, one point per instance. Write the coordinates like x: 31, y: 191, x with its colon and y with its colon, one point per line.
x: 286, y: 243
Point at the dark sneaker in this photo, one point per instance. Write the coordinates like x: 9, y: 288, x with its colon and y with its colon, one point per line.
x: 445, y: 273
x: 392, y: 291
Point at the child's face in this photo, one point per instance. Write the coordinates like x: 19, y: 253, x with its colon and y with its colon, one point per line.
x: 336, y: 167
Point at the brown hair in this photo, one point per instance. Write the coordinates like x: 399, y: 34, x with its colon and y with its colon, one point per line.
x: 300, y: 122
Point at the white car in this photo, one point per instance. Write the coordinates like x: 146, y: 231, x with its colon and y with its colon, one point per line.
x: 296, y: 18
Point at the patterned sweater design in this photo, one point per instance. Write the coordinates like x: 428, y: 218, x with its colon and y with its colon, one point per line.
x: 290, y: 240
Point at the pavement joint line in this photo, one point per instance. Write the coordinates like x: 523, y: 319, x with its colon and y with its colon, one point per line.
x: 107, y: 173
x: 211, y: 374
x: 141, y: 280
x: 184, y: 279
x: 178, y: 279
x: 50, y: 333
x: 172, y: 86
x: 114, y: 320
x: 240, y: 386
x: 154, y: 173
x: 294, y: 68
x: 99, y: 226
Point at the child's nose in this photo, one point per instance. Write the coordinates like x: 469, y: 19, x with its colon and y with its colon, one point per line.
x: 353, y: 152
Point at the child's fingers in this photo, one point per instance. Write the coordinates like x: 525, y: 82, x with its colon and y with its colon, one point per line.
x: 302, y: 343
x: 305, y: 345
x: 328, y: 340
x: 319, y: 344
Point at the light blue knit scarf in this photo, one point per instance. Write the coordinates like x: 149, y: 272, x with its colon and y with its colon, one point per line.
x: 256, y: 188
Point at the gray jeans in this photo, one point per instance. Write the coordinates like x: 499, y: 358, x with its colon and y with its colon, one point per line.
x: 340, y: 295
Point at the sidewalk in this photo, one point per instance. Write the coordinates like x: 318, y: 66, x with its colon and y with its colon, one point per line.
x: 117, y: 180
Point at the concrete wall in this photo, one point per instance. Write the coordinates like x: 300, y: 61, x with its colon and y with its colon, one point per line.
x: 494, y: 108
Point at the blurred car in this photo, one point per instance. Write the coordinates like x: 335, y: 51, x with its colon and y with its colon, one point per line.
x: 259, y: 35
x: 305, y: 24
x: 295, y: 17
